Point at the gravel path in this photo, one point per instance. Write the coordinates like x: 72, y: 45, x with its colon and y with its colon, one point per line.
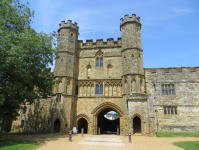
x: 105, y: 142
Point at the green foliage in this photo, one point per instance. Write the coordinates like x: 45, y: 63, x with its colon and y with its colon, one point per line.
x: 24, y: 59
x: 188, y: 145
x: 114, y: 114
x: 177, y: 134
x: 19, y: 144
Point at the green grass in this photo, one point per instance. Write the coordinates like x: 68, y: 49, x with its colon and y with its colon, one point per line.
x: 177, y: 134
x: 20, y: 144
x: 188, y: 145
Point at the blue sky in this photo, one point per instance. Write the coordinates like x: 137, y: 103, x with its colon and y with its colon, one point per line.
x: 170, y: 28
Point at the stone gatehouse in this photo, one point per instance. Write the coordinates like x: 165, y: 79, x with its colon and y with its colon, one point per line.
x: 98, y: 77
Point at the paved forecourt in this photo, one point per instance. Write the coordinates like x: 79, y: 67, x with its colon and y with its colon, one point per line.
x: 109, y: 140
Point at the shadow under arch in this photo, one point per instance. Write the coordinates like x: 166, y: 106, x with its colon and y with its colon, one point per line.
x: 136, y: 121
x: 78, y: 118
x: 103, y: 108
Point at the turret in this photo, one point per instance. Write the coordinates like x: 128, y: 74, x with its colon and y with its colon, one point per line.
x: 66, y: 66
x: 132, y: 55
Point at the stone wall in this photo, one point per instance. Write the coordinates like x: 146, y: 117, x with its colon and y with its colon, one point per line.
x: 185, y: 99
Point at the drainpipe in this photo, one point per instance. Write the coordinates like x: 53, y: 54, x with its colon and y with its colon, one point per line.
x: 156, y: 107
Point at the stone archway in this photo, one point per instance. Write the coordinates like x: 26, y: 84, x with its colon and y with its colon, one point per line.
x: 82, y: 121
x: 107, y: 106
x: 137, y: 124
x: 57, y: 125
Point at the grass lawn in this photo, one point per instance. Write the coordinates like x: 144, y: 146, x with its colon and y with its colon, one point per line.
x: 189, y: 145
x: 24, y: 133
x: 177, y: 134
x: 19, y: 144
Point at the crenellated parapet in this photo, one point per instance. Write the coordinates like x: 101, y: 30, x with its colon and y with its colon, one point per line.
x: 110, y: 43
x: 129, y: 19
x: 68, y: 24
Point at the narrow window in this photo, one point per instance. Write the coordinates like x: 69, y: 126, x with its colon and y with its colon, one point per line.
x: 101, y: 89
x: 97, y: 62
x: 71, y: 34
x: 165, y: 110
x: 168, y: 110
x: 97, y: 89
x: 76, y: 90
x: 137, y: 29
x: 175, y: 109
x: 171, y: 110
x: 22, y: 123
x: 101, y: 62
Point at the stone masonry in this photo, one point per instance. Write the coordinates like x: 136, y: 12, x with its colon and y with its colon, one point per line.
x: 99, y: 76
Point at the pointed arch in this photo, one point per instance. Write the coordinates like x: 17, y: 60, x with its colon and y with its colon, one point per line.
x: 109, y: 69
x: 99, y: 53
x: 99, y: 58
x: 88, y: 70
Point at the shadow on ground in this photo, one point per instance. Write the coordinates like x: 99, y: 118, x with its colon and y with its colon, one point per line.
x: 41, y: 137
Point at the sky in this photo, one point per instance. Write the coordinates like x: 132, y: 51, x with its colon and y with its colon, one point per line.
x: 170, y: 28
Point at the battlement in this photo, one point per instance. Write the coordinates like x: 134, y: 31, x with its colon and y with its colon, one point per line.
x: 99, y: 43
x: 173, y: 69
x: 68, y: 24
x: 129, y: 19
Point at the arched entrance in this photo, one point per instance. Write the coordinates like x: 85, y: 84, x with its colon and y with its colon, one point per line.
x: 107, y: 126
x: 98, y: 118
x: 82, y: 123
x: 136, y: 125
x: 57, y: 126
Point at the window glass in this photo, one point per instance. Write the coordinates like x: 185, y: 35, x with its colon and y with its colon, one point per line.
x: 165, y: 110
x: 166, y: 92
x: 162, y: 86
x: 101, y: 89
x: 172, y: 86
x: 162, y: 92
x: 175, y: 109
x: 97, y: 62
x: 168, y: 110
x: 168, y: 86
x: 101, y: 62
x: 97, y: 89
x: 173, y: 92
x: 169, y: 92
x: 22, y: 123
x: 165, y: 86
x: 171, y: 110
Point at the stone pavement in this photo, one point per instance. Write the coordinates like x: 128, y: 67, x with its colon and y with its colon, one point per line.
x: 109, y: 140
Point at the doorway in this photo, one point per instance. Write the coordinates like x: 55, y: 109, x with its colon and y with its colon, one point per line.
x: 82, y: 123
x: 136, y: 125
x: 57, y: 126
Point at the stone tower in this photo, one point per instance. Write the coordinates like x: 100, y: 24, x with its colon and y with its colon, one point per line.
x: 66, y: 68
x: 132, y: 55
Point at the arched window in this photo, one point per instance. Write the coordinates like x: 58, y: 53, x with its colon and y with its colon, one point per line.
x: 101, y: 62
x: 97, y: 62
x: 97, y: 89
x: 101, y: 89
x: 76, y: 90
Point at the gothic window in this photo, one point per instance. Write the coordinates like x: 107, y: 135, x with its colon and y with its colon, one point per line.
x: 97, y: 62
x: 71, y: 34
x: 22, y: 123
x: 99, y: 59
x: 101, y: 62
x: 99, y: 89
x: 168, y: 89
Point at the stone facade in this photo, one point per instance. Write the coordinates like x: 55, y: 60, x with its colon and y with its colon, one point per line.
x: 97, y: 77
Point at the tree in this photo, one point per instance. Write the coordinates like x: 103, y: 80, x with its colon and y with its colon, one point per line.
x: 24, y: 58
